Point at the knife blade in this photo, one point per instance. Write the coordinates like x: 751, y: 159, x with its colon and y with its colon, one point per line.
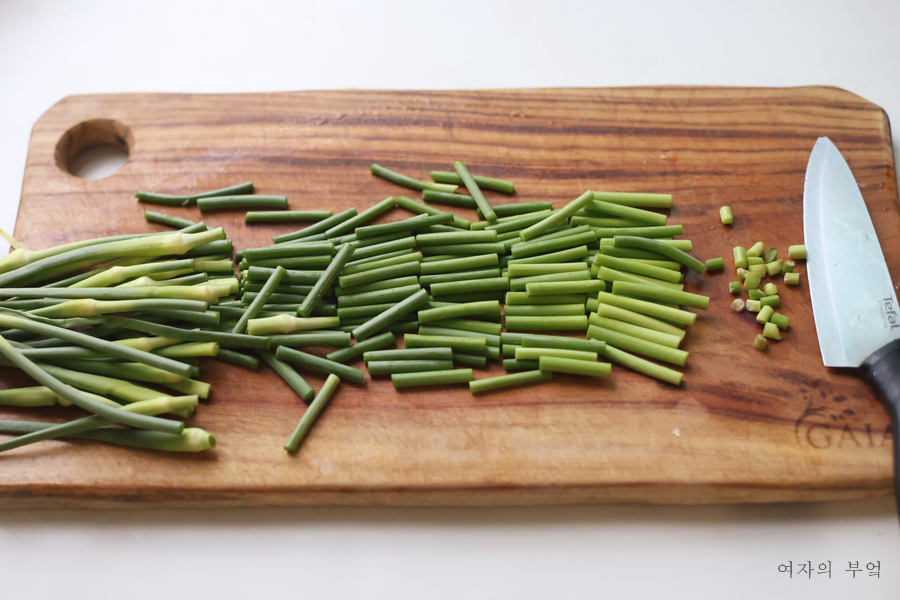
x: 852, y: 295
x: 853, y: 298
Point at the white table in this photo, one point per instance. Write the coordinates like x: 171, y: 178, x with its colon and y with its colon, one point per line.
x: 49, y: 50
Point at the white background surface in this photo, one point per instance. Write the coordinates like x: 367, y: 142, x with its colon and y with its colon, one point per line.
x: 49, y: 50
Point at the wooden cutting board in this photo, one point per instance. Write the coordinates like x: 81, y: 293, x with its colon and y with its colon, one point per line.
x: 745, y: 426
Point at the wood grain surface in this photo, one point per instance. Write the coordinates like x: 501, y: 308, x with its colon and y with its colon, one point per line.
x: 744, y: 426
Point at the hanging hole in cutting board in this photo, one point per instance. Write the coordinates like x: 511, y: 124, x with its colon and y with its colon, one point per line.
x: 94, y: 149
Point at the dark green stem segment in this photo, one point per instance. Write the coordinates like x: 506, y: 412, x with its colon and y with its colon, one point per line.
x: 316, y: 228
x: 660, y: 231
x: 470, y: 360
x: 355, y: 351
x: 437, y: 353
x: 321, y: 365
x: 555, y: 219
x: 312, y: 413
x: 409, y: 182
x: 457, y: 310
x: 381, y: 249
x: 546, y: 246
x: 190, y: 440
x: 54, y: 431
x: 378, y: 262
x: 512, y: 338
x: 286, y: 216
x: 503, y: 381
x: 493, y: 284
x: 212, y: 248
x: 575, y: 367
x: 546, y: 323
x: 236, y: 202
x: 167, y: 220
x: 638, y: 345
x: 469, y: 345
x: 316, y: 338
x: 170, y: 200
x: 513, y: 223
x: 389, y: 367
x: 559, y: 341
x: 448, y: 198
x: 517, y: 208
x: 201, y: 226
x: 290, y: 376
x: 426, y: 280
x: 454, y: 265
x: 654, y: 245
x: 402, y: 380
x: 449, y: 238
x: 418, y: 223
x: 84, y: 401
x: 386, y: 277
x: 658, y: 294
x: 391, y: 315
x: 378, y: 296
x: 94, y: 343
x: 431, y: 330
x: 642, y: 366
x: 260, y: 300
x: 292, y: 278
x: 326, y: 280
x: 236, y: 358
x: 488, y: 183
x: 632, y: 266
x: 284, y: 288
x: 639, y: 200
x: 649, y: 308
x: 231, y: 340
x: 473, y: 188
x: 363, y: 217
x: 420, y: 208
x: 645, y: 217
x: 398, y: 327
x: 371, y: 235
x: 513, y: 364
x: 323, y: 248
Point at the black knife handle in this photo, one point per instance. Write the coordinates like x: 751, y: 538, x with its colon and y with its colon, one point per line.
x: 882, y: 369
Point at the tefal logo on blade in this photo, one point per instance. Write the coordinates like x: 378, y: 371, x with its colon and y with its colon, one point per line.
x: 890, y: 312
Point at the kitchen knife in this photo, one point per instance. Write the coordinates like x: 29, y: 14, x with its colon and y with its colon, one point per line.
x: 853, y: 298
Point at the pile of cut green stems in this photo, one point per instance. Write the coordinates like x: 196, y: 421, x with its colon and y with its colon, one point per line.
x: 753, y: 266
x: 515, y: 282
x: 116, y: 326
x: 61, y: 323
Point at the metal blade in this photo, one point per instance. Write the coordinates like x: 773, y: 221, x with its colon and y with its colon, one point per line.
x: 853, y: 298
